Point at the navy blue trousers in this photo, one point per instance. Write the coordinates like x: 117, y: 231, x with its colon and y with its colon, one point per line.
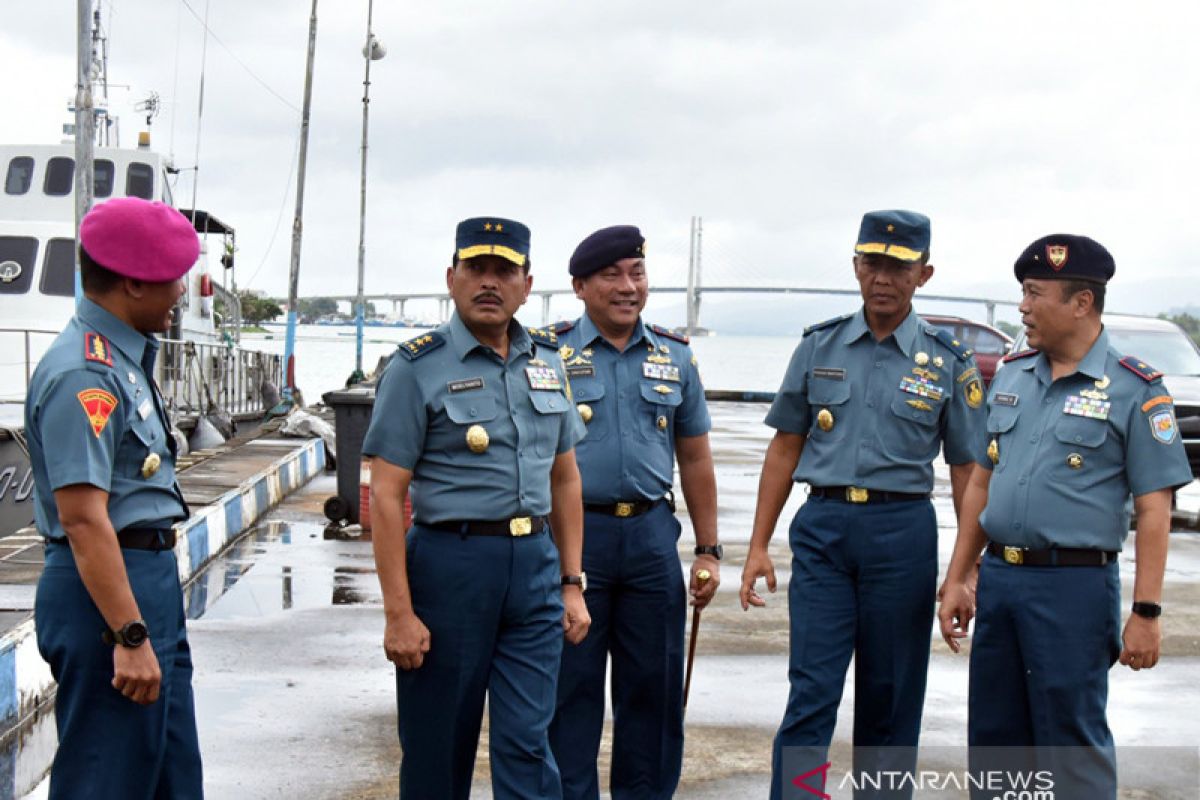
x: 638, y: 602
x: 493, y: 606
x: 108, y: 746
x: 863, y: 584
x: 1045, y: 639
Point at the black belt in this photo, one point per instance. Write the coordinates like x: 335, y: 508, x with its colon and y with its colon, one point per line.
x: 622, y: 509
x: 147, y: 538
x: 517, y: 526
x: 1052, y: 557
x: 857, y: 494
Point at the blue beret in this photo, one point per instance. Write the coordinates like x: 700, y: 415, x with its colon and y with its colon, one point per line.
x: 899, y: 234
x: 605, y: 247
x: 492, y: 236
x: 1065, y: 256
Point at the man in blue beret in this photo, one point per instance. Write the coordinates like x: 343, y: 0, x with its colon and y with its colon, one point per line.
x: 638, y: 390
x: 109, y: 609
x: 1074, y: 429
x: 475, y: 417
x: 867, y: 402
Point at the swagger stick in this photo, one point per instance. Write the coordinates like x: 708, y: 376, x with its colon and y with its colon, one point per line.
x: 701, y: 576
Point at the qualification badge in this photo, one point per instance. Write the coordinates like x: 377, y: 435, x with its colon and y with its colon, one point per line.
x: 151, y: 465
x: 585, y: 412
x: 922, y: 358
x: 938, y: 361
x: 825, y: 420
x: 477, y: 439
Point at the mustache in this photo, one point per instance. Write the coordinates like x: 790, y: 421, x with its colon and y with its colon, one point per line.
x: 486, y: 296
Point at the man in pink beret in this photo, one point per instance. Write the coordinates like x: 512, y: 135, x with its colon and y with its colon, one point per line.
x: 109, y: 608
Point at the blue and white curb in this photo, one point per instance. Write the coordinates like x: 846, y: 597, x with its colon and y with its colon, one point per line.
x: 25, y: 680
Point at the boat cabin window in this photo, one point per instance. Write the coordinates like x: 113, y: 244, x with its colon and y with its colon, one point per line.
x: 139, y: 181
x: 102, y: 179
x: 17, y: 254
x: 60, y: 176
x: 58, y: 270
x: 19, y: 175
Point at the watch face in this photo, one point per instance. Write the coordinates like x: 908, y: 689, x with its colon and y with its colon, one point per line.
x: 133, y: 634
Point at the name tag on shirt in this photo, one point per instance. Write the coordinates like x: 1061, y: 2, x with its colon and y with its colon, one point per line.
x: 1005, y: 399
x: 543, y: 379
x: 1087, y: 407
x: 586, y: 371
x: 921, y: 387
x: 145, y: 409
x: 464, y: 385
x: 830, y: 373
x: 660, y: 372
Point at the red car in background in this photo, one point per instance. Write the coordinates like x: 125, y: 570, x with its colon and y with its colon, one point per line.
x: 990, y: 345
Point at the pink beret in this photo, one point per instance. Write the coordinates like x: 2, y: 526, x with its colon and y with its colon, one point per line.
x: 149, y: 241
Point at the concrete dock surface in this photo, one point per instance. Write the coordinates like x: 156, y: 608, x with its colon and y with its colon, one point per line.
x: 295, y: 698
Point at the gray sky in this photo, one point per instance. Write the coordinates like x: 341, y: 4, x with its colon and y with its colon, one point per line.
x: 778, y: 122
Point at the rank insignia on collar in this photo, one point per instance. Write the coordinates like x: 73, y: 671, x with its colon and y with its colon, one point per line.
x: 96, y: 348
x: 98, y: 405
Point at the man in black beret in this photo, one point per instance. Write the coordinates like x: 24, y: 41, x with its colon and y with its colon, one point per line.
x: 1074, y: 430
x: 638, y: 390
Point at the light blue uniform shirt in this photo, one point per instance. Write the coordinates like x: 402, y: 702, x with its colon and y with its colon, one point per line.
x: 641, y: 399
x: 428, y: 400
x: 92, y: 415
x: 1073, y: 451
x: 890, y: 415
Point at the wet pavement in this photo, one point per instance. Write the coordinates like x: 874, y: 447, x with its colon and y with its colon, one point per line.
x: 295, y: 698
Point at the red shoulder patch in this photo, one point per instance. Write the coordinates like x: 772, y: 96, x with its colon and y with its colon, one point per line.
x: 670, y: 334
x: 97, y: 348
x: 98, y: 405
x: 1022, y: 354
x: 1140, y: 368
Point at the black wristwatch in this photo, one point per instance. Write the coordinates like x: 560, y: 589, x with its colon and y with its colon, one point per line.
x: 579, y: 580
x: 714, y: 550
x: 132, y: 634
x: 1147, y: 610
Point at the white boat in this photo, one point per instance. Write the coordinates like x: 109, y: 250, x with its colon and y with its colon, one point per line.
x: 200, y: 364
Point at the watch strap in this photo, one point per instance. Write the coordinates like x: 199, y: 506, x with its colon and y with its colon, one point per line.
x: 1147, y: 610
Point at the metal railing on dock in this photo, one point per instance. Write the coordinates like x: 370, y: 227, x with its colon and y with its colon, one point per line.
x: 194, y: 376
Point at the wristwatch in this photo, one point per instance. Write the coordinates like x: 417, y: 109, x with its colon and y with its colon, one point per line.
x: 132, y: 634
x: 1147, y: 610
x: 579, y: 580
x: 714, y: 550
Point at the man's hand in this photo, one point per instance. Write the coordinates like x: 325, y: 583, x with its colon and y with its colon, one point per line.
x: 1142, y: 639
x: 406, y: 640
x: 136, y: 673
x: 703, y: 592
x: 576, y: 619
x: 957, y: 610
x: 758, y: 565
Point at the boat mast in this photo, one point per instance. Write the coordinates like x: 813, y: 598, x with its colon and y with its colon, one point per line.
x: 289, y: 354
x: 84, y: 125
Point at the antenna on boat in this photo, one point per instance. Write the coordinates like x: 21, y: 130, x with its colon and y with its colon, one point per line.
x: 85, y: 122
x: 289, y: 347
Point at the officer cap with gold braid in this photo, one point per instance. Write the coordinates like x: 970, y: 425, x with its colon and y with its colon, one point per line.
x: 492, y: 236
x: 903, y: 235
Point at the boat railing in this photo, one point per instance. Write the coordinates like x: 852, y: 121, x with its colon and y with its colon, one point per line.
x: 196, y: 377
x: 24, y: 357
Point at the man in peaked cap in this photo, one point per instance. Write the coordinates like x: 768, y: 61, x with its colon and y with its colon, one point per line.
x: 1074, y: 429
x: 475, y: 417
x: 867, y: 402
x: 638, y: 390
x: 109, y: 610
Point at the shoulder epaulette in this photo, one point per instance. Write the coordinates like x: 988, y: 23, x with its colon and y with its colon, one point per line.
x: 544, y: 336
x: 1140, y: 368
x: 559, y: 328
x: 954, y: 345
x: 96, y: 348
x: 829, y: 323
x: 415, y: 348
x: 670, y: 334
x: 1018, y: 355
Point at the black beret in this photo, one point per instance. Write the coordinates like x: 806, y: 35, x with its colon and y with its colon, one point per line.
x: 605, y: 247
x: 1065, y: 256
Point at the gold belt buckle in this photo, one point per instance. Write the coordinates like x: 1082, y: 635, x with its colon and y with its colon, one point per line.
x: 520, y: 526
x: 1014, y: 555
x: 856, y: 494
x: 624, y: 510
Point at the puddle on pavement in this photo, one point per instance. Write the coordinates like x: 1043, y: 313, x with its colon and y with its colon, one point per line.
x: 283, y: 566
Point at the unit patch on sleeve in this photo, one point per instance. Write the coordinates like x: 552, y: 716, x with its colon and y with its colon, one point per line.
x: 1163, y: 425
x: 98, y: 405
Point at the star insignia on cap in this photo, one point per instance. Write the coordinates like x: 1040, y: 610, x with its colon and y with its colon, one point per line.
x: 487, y: 226
x: 499, y: 228
x: 891, y: 228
